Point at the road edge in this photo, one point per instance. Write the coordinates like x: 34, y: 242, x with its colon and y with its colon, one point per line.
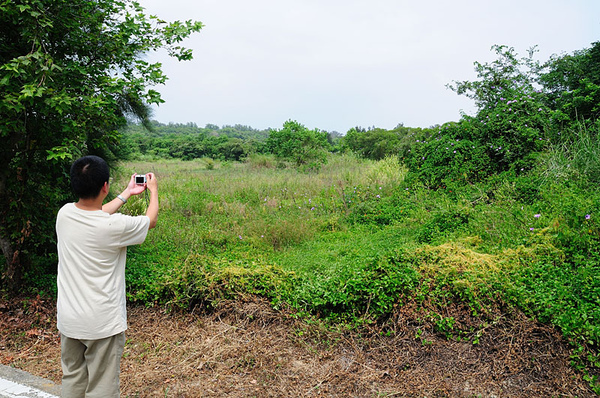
x: 27, y: 379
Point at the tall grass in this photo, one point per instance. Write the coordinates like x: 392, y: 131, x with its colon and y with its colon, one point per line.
x: 576, y: 157
x: 264, y: 205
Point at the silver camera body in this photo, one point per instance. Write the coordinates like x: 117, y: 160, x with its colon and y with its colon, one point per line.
x: 140, y: 179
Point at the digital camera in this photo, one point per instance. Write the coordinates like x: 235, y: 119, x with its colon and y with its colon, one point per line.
x: 140, y: 179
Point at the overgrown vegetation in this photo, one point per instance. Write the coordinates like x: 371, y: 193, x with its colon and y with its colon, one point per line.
x: 349, y: 244
x: 218, y: 238
x: 497, y: 210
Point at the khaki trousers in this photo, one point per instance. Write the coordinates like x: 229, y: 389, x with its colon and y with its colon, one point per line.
x: 91, y: 367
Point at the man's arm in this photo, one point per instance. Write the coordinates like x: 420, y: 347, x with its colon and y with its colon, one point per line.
x: 115, y: 204
x: 152, y: 210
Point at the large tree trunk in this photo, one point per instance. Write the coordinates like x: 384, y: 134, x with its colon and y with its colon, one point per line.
x: 7, y: 250
x: 11, y: 271
x: 11, y: 275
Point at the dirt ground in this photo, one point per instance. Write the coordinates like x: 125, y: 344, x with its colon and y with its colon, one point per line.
x: 247, y: 349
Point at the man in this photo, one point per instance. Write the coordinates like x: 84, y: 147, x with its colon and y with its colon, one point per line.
x: 92, y: 246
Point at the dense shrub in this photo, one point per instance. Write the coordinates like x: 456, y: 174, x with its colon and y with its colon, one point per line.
x: 572, y: 85
x: 307, y: 148
x: 442, y: 224
x: 449, y: 156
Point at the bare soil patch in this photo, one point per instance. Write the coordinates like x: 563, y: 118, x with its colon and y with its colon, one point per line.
x: 247, y: 349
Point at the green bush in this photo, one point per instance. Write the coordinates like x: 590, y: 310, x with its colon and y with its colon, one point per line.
x: 449, y: 157
x: 561, y: 293
x: 359, y: 289
x: 308, y: 149
x: 527, y: 189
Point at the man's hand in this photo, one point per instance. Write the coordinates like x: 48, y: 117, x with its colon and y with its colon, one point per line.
x: 135, y: 189
x: 151, y: 182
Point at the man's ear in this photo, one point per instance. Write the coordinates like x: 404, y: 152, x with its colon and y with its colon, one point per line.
x: 105, y: 188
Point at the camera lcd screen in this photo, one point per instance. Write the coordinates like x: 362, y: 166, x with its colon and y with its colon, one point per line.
x: 140, y: 179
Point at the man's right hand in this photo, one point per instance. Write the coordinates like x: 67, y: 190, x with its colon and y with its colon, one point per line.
x: 151, y: 182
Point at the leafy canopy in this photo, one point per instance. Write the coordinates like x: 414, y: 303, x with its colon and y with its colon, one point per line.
x: 71, y: 72
x: 306, y: 148
x: 572, y: 84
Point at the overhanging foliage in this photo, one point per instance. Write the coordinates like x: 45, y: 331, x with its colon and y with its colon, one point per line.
x: 70, y: 73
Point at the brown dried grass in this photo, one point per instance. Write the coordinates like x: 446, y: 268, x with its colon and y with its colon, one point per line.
x: 247, y: 349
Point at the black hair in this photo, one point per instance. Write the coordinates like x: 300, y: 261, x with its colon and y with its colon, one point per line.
x: 88, y: 175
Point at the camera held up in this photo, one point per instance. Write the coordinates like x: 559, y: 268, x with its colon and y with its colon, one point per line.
x: 140, y: 179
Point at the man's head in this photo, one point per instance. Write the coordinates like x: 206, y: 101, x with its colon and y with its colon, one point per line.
x: 88, y: 176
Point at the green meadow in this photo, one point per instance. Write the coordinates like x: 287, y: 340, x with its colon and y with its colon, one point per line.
x: 355, y: 240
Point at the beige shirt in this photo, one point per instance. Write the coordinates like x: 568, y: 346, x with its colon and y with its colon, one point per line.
x: 92, y: 247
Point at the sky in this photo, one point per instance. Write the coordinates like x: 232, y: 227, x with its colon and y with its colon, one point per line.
x: 338, y: 64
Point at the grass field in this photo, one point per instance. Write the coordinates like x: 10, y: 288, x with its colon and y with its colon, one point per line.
x: 358, y: 239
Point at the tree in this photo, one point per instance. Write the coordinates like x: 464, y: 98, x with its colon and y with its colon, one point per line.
x: 71, y: 71
x: 307, y: 148
x: 506, y: 77
x: 512, y: 121
x: 374, y: 144
x: 572, y: 84
x: 379, y: 143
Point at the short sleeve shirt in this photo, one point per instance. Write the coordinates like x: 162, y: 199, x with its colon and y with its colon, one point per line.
x: 92, y: 247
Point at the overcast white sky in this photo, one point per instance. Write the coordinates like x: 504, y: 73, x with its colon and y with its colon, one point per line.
x: 337, y: 64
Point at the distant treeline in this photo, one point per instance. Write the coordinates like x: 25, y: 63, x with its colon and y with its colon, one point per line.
x: 187, y: 141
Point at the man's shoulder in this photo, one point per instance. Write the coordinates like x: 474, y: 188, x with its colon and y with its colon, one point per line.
x: 71, y: 209
x: 66, y: 207
x: 64, y: 210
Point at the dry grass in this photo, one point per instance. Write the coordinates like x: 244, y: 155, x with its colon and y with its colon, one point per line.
x: 246, y: 349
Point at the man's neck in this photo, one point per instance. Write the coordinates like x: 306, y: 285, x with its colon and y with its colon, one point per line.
x: 90, y: 204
